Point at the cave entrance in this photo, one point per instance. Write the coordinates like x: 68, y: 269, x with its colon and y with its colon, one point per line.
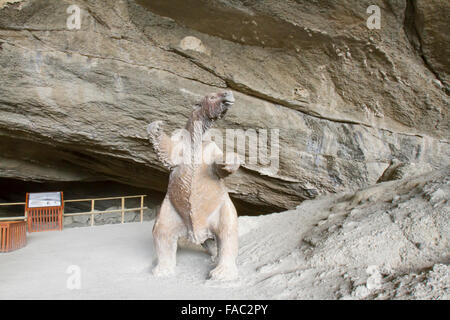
x: 12, y: 191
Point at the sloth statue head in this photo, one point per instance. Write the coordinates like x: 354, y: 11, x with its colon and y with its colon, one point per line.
x: 215, y: 106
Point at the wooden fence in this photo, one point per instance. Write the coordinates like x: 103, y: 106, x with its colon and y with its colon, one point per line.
x: 92, y: 213
x: 122, y: 210
x: 13, y: 235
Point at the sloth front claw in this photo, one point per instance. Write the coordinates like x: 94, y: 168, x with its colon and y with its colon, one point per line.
x: 224, y: 272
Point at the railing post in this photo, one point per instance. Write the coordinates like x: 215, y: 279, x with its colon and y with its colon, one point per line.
x: 92, y: 210
x: 142, y: 209
x: 62, y: 218
x: 123, y: 208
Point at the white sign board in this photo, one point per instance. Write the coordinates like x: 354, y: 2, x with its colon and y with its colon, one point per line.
x: 44, y: 199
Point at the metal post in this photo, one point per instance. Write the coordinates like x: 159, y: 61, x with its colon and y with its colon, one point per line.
x: 142, y: 209
x: 92, y: 210
x: 123, y: 208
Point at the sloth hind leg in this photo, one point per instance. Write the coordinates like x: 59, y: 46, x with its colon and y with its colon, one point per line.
x: 226, y: 234
x: 166, y: 231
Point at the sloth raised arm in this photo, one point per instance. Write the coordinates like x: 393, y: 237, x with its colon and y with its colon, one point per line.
x: 162, y: 144
x: 223, y: 167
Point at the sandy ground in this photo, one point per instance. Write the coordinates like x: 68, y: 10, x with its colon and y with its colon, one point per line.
x: 115, y: 263
x: 389, y: 241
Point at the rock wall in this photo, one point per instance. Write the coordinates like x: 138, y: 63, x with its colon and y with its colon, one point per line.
x: 347, y: 100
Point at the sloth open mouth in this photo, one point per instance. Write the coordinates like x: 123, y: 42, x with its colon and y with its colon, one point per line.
x: 228, y: 98
x: 227, y: 102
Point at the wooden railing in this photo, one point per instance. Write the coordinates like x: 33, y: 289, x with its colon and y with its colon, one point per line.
x: 13, y: 204
x: 122, y: 210
x: 13, y: 235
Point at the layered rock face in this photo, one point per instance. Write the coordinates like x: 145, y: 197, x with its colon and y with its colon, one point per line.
x: 346, y: 99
